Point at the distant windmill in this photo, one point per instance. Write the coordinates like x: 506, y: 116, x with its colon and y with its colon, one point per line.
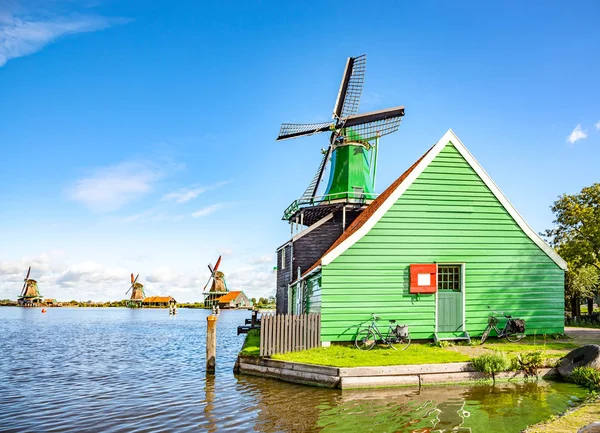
x: 218, y: 287
x: 137, y: 293
x: 30, y: 295
x: 352, y: 150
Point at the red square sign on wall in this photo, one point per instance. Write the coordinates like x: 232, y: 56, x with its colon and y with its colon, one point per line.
x: 423, y: 278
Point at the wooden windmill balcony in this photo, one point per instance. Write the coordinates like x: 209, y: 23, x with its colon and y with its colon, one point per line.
x: 306, y: 212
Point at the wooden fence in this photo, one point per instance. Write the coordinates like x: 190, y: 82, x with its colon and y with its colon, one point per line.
x: 282, y: 333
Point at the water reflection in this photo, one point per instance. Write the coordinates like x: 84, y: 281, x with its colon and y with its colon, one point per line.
x: 500, y: 408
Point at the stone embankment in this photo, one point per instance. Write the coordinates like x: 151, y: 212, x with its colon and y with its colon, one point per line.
x: 370, y: 377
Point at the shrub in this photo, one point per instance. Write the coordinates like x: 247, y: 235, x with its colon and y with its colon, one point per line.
x: 490, y: 364
x: 586, y: 376
x: 530, y: 362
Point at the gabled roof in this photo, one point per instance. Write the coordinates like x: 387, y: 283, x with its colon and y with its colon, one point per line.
x: 375, y: 211
x: 231, y: 296
x: 158, y: 299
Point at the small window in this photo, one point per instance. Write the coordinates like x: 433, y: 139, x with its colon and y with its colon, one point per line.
x: 449, y: 277
x: 359, y: 193
x: 283, y: 258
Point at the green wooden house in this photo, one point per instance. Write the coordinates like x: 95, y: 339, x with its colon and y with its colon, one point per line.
x: 466, y: 244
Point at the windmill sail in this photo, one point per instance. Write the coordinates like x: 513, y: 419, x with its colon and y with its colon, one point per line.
x: 348, y: 98
x: 310, y: 192
x: 292, y: 130
x: 369, y: 126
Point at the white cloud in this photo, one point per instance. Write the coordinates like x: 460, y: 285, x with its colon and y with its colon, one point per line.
x: 23, y: 36
x: 109, y: 188
x: 576, y: 135
x: 186, y: 194
x: 93, y: 274
x: 267, y: 258
x: 207, y: 210
x: 597, y: 125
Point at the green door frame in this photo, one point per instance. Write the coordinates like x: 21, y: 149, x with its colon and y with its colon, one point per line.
x: 462, y: 289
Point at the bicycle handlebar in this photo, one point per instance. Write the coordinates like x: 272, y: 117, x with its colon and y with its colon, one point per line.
x: 501, y: 314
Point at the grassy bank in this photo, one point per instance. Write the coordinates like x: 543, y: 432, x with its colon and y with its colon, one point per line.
x: 570, y: 422
x: 417, y: 353
x: 348, y: 356
x: 251, y: 345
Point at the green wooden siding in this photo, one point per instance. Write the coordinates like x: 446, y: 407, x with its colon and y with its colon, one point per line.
x: 311, y: 296
x: 447, y: 215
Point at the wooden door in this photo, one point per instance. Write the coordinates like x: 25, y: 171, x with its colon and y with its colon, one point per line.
x: 450, y: 312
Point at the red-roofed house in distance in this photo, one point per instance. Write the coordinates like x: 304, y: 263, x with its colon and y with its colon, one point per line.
x: 235, y: 299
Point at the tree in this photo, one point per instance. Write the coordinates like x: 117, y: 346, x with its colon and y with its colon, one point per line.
x: 577, y: 233
x: 581, y: 283
x: 576, y: 237
x: 253, y: 301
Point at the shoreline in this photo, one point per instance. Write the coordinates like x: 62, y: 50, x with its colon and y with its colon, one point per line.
x: 413, y: 375
x: 572, y: 420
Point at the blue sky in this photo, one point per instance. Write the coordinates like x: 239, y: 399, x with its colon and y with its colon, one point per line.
x: 138, y: 136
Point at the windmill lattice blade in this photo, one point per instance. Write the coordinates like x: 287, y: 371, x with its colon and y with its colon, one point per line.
x: 135, y: 281
x: 23, y: 289
x: 28, y: 272
x: 348, y: 98
x: 206, y: 285
x: 218, y: 263
x: 211, y: 269
x: 310, y: 192
x: 292, y: 130
x: 368, y: 126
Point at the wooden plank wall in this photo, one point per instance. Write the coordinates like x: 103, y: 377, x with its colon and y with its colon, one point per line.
x: 282, y: 333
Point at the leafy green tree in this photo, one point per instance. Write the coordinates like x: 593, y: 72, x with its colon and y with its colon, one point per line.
x: 576, y: 237
x: 253, y: 301
x: 581, y: 283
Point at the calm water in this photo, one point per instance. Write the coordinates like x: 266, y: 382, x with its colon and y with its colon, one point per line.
x: 121, y: 370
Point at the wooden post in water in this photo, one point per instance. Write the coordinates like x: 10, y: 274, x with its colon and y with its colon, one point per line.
x: 211, y: 343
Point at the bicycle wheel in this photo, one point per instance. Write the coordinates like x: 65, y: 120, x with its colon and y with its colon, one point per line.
x: 365, y: 339
x: 513, y: 337
x: 485, y: 334
x: 400, y: 342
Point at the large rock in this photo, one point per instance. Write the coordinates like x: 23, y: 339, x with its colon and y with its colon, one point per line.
x: 590, y: 428
x: 585, y: 356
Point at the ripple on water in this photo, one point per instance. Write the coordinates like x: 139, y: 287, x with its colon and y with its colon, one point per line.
x: 121, y: 370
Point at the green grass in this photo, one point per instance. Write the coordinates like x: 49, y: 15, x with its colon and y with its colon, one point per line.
x: 527, y: 347
x: 251, y: 345
x: 349, y: 356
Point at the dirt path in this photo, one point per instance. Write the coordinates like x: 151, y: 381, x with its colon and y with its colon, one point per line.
x: 583, y: 335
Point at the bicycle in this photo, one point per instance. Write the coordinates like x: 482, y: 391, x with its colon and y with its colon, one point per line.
x: 396, y: 335
x: 514, y: 329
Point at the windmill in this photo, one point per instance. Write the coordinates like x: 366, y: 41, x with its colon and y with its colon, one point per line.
x: 30, y: 295
x: 137, y: 293
x: 352, y: 150
x: 351, y: 161
x: 218, y: 287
